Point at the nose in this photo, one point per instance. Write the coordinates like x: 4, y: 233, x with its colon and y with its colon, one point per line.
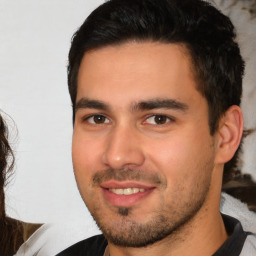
x: 123, y: 149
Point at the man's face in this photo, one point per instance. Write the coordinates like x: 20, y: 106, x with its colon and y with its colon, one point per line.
x: 142, y: 152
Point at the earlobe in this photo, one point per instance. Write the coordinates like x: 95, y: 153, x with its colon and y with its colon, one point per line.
x: 229, y: 134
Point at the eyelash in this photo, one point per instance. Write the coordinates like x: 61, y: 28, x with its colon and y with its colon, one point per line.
x: 166, y: 119
x: 86, y: 119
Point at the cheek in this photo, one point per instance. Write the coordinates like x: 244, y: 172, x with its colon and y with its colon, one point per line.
x: 85, y: 156
x: 172, y: 153
x: 181, y: 157
x: 85, y: 150
x: 84, y: 159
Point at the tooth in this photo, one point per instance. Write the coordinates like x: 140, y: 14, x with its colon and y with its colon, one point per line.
x: 126, y: 191
x: 135, y: 190
x: 119, y: 191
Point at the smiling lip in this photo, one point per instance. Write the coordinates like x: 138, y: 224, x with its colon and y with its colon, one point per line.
x: 125, y: 194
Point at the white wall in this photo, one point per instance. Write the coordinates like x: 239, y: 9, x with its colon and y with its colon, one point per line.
x: 34, y: 42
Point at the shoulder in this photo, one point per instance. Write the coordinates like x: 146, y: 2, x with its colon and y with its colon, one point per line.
x: 13, y: 234
x: 239, y: 242
x: 249, y: 248
x: 95, y: 245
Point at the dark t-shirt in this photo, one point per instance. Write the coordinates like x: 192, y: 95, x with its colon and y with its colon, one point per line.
x: 96, y: 245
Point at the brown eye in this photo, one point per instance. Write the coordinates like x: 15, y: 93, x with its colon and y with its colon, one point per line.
x: 97, y: 119
x: 158, y: 119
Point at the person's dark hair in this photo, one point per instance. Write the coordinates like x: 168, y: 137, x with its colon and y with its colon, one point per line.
x: 208, y: 35
x: 6, y: 163
x: 11, y: 230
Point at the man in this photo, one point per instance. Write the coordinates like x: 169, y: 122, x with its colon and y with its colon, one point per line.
x: 156, y: 88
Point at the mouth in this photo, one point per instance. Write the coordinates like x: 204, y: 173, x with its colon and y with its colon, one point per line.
x: 125, y: 194
x: 126, y: 191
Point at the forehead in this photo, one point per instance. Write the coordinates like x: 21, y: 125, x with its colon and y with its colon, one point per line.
x: 136, y: 71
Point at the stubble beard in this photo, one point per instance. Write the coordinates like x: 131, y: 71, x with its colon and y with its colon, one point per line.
x: 125, y: 231
x: 129, y: 233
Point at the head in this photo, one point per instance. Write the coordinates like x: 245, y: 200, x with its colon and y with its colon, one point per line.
x: 152, y: 83
x: 5, y: 165
x: 207, y: 34
x: 11, y: 236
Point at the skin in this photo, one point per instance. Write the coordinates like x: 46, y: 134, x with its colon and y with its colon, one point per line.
x: 141, y: 123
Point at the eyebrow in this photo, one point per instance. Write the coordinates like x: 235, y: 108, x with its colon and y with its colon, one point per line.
x: 140, y: 106
x: 87, y: 103
x: 160, y: 103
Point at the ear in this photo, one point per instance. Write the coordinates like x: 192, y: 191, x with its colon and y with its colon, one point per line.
x: 229, y: 134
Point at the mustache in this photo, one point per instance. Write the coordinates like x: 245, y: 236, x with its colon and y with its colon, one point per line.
x: 125, y: 175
